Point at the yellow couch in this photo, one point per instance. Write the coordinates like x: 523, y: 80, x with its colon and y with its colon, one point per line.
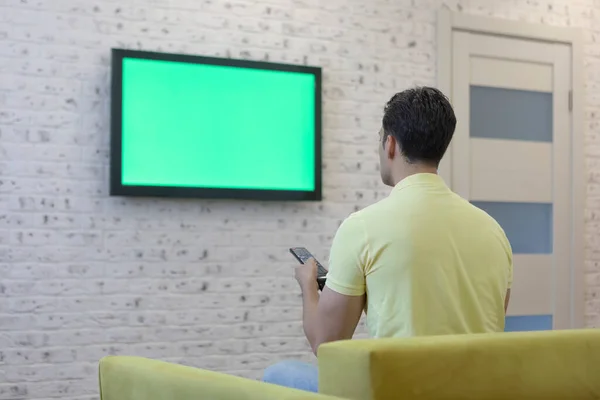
x: 135, y: 378
x: 526, y: 365
x: 522, y: 365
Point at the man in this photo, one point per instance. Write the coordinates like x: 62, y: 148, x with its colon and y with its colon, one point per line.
x: 423, y: 261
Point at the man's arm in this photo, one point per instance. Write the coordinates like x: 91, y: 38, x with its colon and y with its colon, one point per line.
x: 506, y: 300
x: 334, y: 315
x: 329, y: 317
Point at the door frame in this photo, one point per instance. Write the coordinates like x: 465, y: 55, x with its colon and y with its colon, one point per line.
x: 449, y: 22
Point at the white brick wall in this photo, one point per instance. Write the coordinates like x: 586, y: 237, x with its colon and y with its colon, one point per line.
x: 206, y: 283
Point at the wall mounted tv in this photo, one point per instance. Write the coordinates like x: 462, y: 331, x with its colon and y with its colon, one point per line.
x: 191, y: 126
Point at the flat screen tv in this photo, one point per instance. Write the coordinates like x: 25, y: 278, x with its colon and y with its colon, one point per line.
x: 192, y: 126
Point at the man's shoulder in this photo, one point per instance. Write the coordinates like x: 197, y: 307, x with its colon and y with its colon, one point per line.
x: 483, y: 216
x: 483, y: 221
x: 371, y: 211
x: 355, y: 224
x: 352, y: 221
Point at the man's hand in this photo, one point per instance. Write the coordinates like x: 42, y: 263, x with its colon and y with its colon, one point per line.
x: 330, y: 316
x: 306, y: 274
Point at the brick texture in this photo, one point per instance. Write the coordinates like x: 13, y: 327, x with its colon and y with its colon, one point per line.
x: 205, y: 283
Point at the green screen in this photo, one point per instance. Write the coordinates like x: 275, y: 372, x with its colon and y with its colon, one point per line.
x: 198, y: 125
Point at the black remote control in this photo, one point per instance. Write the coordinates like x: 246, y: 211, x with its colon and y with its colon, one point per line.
x: 302, y: 255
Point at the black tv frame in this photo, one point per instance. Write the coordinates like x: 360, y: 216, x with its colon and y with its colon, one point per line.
x: 118, y: 189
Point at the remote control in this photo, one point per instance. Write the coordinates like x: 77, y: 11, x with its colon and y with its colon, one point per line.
x: 302, y: 255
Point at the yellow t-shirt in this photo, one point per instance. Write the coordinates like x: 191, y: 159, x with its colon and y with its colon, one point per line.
x: 429, y: 262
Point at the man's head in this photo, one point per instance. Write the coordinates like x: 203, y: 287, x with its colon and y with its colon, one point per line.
x: 418, y: 125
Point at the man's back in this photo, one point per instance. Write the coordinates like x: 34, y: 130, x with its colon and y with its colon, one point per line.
x: 431, y: 262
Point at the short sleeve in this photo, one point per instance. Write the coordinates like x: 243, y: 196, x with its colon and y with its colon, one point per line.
x: 509, y: 254
x: 510, y: 274
x: 348, y: 257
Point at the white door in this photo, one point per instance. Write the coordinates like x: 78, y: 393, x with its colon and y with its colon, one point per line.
x: 511, y: 156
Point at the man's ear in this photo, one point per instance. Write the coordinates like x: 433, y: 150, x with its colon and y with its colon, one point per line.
x: 390, y: 147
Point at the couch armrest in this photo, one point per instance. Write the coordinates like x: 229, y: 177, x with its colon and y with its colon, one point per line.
x: 560, y: 364
x: 135, y: 378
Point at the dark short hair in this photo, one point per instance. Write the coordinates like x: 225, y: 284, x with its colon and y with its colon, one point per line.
x: 422, y: 121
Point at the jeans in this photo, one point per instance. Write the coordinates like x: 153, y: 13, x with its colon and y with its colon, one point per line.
x: 293, y: 374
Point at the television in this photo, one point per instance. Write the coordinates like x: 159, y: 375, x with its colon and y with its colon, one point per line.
x: 205, y: 127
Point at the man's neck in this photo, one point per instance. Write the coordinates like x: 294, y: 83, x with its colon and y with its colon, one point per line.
x: 412, y: 169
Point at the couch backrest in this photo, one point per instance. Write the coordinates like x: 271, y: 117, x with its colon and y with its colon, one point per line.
x: 134, y: 378
x: 523, y: 365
